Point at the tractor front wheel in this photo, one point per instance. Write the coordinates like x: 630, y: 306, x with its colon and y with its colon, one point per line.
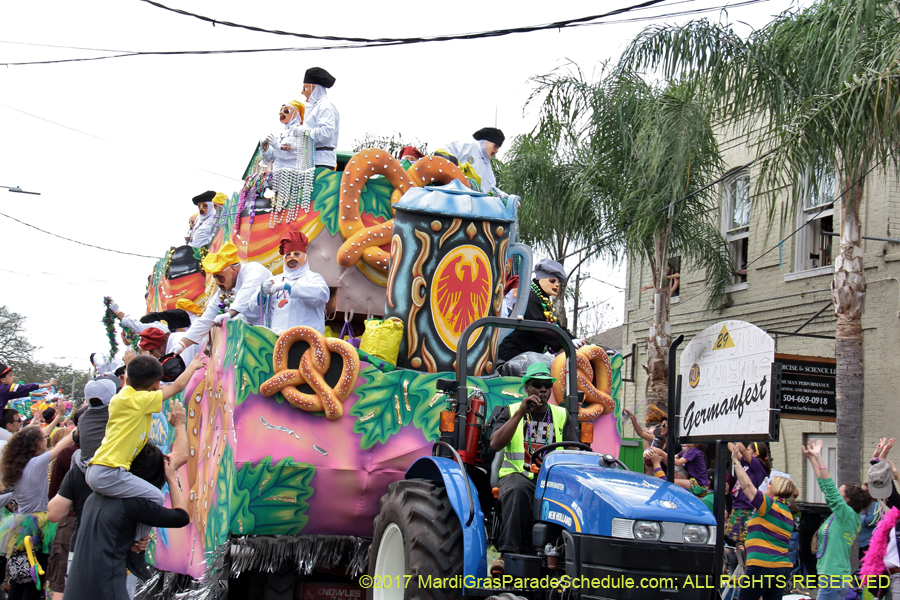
x: 417, y: 534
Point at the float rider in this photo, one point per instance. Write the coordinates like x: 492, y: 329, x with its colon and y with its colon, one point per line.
x: 237, y: 286
x: 298, y: 295
x: 519, y: 431
x: 208, y: 204
x: 322, y: 119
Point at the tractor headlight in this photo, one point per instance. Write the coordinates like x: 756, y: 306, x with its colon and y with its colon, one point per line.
x: 695, y: 534
x: 648, y: 531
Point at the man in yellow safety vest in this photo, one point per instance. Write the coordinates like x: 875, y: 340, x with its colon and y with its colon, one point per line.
x: 519, y: 431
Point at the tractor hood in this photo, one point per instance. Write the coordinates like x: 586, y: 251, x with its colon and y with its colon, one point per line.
x: 578, y: 493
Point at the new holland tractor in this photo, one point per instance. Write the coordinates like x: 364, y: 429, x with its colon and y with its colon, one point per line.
x: 600, y: 530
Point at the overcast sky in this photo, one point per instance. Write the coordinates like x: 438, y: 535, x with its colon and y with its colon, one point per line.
x: 135, y: 138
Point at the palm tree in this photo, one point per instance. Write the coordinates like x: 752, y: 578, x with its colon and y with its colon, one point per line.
x: 821, y: 86
x: 553, y: 215
x: 642, y: 156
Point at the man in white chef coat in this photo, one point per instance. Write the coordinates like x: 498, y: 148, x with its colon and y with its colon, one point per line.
x: 322, y: 118
x: 478, y: 154
x: 238, y: 285
x: 298, y: 295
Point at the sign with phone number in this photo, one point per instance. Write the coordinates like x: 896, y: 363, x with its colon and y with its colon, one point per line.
x: 807, y: 387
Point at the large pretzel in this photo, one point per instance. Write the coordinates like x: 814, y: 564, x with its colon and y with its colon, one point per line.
x: 313, y: 365
x: 594, y: 379
x: 361, y: 242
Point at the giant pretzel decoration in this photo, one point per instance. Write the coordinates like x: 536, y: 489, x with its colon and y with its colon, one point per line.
x: 363, y: 242
x: 594, y: 379
x: 313, y: 365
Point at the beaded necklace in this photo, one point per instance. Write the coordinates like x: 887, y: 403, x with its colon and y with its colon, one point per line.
x: 225, y: 300
x: 546, y: 303
x: 265, y: 310
x: 823, y: 537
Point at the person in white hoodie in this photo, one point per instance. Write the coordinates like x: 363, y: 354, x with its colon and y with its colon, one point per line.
x: 322, y: 118
x: 281, y: 150
x: 297, y: 296
x: 204, y: 227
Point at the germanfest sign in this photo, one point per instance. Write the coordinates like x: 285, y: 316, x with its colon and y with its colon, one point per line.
x: 807, y: 387
x: 727, y: 390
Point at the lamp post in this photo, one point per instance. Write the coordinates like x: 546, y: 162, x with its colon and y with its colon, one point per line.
x: 19, y: 190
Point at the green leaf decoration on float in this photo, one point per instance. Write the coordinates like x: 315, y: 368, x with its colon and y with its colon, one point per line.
x: 271, y: 499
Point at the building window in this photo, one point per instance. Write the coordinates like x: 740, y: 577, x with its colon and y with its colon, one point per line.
x: 736, y: 221
x: 816, y: 217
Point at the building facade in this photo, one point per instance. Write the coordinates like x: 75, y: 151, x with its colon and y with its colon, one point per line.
x: 782, y: 285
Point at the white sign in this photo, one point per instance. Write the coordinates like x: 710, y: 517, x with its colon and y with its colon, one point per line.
x: 726, y: 388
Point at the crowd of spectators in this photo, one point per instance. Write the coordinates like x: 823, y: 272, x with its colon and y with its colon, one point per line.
x: 83, y: 487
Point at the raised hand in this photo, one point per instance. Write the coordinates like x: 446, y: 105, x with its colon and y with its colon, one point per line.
x: 177, y: 416
x: 886, y: 449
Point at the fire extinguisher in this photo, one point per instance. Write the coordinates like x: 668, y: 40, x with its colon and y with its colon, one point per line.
x: 474, y: 426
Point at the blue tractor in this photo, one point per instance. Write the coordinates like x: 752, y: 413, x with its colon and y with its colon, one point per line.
x: 600, y: 530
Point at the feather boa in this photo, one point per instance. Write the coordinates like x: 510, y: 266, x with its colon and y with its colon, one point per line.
x: 873, y: 561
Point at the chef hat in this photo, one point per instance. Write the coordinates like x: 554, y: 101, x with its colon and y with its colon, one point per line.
x: 152, y: 338
x: 204, y: 197
x: 491, y: 134
x: 319, y: 76
x: 511, y: 284
x: 411, y: 151
x: 175, y: 318
x: 293, y: 241
x: 217, y: 262
x: 189, y: 306
x: 299, y: 106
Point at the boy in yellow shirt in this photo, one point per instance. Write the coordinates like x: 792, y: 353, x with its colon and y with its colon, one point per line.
x: 130, y: 416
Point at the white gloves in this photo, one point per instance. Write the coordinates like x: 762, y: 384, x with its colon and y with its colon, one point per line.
x: 267, y: 286
x: 179, y: 348
x: 281, y: 286
x: 113, y: 306
x: 578, y: 343
x: 223, y: 318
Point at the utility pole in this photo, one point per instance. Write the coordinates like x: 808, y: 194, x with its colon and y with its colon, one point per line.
x: 577, y: 300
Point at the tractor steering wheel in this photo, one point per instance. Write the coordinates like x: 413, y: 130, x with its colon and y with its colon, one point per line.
x: 540, y: 452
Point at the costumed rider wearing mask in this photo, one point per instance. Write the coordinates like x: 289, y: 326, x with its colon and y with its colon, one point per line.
x: 322, y: 118
x: 280, y: 150
x: 236, y: 293
x: 549, y: 275
x: 519, y: 431
x: 208, y: 204
x: 178, y: 320
x: 475, y: 157
x: 297, y: 296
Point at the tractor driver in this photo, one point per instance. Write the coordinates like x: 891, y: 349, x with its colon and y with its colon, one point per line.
x: 520, y: 430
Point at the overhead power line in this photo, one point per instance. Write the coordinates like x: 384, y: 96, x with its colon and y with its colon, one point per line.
x: 62, y: 237
x: 412, y: 40
x: 357, y: 45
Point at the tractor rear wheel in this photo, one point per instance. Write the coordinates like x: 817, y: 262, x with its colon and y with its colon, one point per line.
x: 417, y: 533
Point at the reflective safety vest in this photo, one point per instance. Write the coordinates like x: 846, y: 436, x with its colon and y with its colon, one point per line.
x: 514, y: 453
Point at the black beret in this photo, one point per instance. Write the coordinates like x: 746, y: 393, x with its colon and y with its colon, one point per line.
x: 319, y: 76
x: 491, y: 134
x: 175, y: 318
x: 204, y: 197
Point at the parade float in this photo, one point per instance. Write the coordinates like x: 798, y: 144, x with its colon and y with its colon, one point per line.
x: 295, y: 438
